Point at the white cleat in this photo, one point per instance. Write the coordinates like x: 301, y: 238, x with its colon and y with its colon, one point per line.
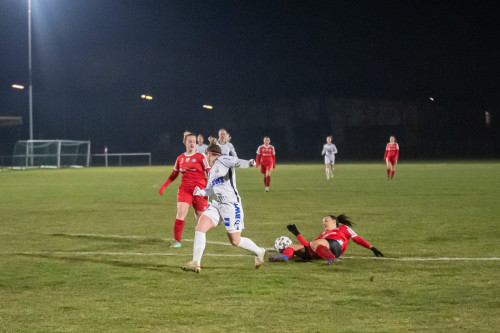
x: 192, y: 266
x: 267, y: 189
x: 260, y: 258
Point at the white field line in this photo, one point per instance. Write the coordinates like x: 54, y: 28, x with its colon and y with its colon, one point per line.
x: 131, y: 254
x: 213, y: 255
x: 135, y: 237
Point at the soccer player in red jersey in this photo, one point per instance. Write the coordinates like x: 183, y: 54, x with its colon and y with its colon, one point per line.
x: 266, y: 158
x: 391, y: 156
x: 329, y: 245
x: 194, y: 167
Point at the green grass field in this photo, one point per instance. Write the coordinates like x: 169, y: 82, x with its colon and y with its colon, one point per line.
x: 87, y: 250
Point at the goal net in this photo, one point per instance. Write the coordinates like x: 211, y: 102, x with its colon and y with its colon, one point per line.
x: 51, y: 154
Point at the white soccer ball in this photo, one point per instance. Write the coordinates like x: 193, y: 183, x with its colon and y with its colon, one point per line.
x: 282, y: 243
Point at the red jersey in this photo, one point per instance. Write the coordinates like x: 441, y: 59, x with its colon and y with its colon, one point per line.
x: 193, y: 168
x: 342, y: 234
x: 266, y: 156
x: 392, y: 151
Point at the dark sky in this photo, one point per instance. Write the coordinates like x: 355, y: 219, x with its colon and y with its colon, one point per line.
x: 99, y: 54
x: 250, y: 49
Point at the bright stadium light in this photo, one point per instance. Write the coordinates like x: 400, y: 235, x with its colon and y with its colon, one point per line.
x: 431, y: 99
x: 210, y: 107
x: 17, y: 86
x: 143, y: 96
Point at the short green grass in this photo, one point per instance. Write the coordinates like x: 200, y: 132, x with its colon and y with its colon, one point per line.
x: 87, y: 250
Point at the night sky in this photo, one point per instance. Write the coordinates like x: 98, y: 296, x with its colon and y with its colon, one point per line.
x: 101, y: 55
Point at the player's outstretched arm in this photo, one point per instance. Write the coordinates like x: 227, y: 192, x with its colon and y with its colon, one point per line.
x: 376, y: 252
x: 293, y: 229
x: 243, y: 163
x: 170, y: 179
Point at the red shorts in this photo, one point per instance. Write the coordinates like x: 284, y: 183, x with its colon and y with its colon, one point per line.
x: 199, y: 203
x: 266, y: 167
x: 392, y: 160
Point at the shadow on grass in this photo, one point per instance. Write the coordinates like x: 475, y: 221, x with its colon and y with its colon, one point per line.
x: 122, y: 239
x: 116, y: 263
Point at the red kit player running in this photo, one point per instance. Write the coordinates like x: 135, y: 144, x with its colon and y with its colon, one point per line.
x: 329, y: 245
x: 391, y: 156
x: 266, y: 158
x: 193, y: 167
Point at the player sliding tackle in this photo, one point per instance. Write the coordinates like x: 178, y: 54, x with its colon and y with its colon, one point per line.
x: 226, y: 206
x: 329, y: 245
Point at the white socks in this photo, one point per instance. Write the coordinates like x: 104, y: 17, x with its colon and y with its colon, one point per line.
x: 327, y: 173
x: 200, y: 240
x: 248, y: 244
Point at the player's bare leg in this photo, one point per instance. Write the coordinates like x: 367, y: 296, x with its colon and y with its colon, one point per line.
x: 247, y: 244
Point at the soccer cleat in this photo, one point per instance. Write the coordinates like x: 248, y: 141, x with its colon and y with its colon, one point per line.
x: 335, y: 261
x: 267, y: 189
x: 176, y: 245
x: 260, y: 258
x: 191, y: 266
x: 278, y: 258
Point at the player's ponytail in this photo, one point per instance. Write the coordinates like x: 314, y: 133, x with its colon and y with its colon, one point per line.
x: 213, y: 147
x: 187, y: 134
x: 342, y: 219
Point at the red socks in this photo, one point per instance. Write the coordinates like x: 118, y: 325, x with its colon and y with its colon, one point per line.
x: 324, y: 252
x: 267, y: 181
x: 178, y: 228
x: 288, y: 252
x: 392, y: 174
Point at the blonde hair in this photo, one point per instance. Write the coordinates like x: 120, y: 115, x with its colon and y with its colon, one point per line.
x: 213, y: 147
x: 228, y: 137
x: 186, y: 134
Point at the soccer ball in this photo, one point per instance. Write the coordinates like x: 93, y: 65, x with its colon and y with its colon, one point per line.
x: 282, y: 243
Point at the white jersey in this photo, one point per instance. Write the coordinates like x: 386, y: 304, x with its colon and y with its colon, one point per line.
x: 202, y: 149
x: 329, y: 149
x: 222, y: 180
x: 227, y: 149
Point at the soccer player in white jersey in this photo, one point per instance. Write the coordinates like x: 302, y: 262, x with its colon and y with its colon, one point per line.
x: 226, y: 147
x: 329, y: 151
x: 200, y: 146
x: 225, y: 208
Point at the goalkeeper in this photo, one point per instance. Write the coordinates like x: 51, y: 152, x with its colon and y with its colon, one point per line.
x: 329, y: 245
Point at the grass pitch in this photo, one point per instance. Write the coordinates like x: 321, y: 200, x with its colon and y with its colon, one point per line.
x: 87, y: 250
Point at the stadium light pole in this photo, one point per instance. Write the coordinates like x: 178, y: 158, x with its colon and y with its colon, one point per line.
x: 30, y: 73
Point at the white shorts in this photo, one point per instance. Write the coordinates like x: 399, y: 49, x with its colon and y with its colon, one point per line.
x: 229, y: 213
x: 330, y: 159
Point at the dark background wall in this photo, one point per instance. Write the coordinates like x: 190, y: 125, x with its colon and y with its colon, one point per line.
x: 453, y: 128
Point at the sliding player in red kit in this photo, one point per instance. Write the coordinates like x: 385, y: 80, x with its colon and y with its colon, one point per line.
x: 266, y: 158
x: 194, y: 167
x: 391, y: 156
x: 329, y: 245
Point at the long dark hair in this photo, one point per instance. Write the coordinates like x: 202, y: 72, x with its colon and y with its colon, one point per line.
x: 342, y: 219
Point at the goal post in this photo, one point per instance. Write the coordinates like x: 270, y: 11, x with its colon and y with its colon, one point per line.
x: 51, y: 154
